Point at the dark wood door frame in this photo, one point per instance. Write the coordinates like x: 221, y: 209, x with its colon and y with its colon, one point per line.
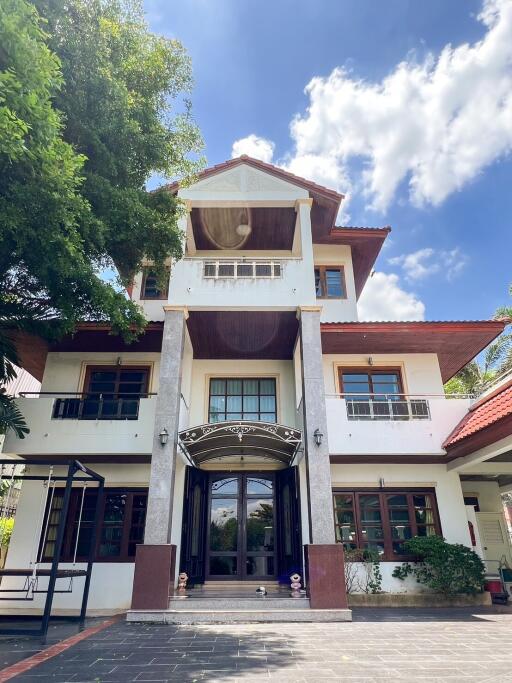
x: 242, y: 554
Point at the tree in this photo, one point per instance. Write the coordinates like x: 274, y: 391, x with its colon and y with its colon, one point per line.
x: 122, y: 105
x: 474, y: 376
x: 75, y: 154
x: 497, y: 360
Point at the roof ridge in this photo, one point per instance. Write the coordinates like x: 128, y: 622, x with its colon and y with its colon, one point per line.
x: 211, y: 170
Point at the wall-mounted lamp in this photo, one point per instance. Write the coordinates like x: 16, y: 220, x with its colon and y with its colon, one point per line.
x: 318, y: 436
x: 382, y: 483
x: 370, y: 360
x: 119, y: 360
x: 164, y: 435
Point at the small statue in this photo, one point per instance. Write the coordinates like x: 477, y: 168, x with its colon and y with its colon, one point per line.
x: 182, y: 581
x: 261, y: 590
x: 295, y: 585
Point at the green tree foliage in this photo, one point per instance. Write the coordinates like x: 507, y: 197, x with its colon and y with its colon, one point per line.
x: 477, y: 374
x: 124, y: 111
x: 448, y: 568
x: 86, y: 115
x: 91, y: 104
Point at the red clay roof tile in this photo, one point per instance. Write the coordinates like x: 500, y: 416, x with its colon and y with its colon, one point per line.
x: 482, y: 414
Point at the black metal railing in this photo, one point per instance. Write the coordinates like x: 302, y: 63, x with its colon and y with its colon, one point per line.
x: 387, y: 408
x: 88, y: 406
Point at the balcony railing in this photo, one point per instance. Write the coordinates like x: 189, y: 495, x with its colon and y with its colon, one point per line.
x: 386, y: 407
x: 94, y: 406
x: 242, y: 269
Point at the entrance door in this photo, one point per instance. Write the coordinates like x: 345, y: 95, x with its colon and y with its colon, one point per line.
x: 241, y: 526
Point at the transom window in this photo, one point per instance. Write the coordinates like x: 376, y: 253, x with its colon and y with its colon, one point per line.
x: 242, y: 399
x: 373, y: 520
x: 241, y: 269
x: 330, y: 282
x: 121, y: 527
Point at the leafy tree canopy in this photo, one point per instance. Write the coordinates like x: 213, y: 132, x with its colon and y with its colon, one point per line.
x: 496, y: 361
x: 90, y: 105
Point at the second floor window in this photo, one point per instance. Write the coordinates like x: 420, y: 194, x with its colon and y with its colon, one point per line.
x: 242, y: 399
x: 330, y: 282
x: 150, y: 288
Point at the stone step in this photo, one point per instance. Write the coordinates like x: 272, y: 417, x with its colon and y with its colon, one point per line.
x: 248, y: 616
x: 237, y: 603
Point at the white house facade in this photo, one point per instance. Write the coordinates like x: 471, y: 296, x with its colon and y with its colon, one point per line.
x: 257, y: 428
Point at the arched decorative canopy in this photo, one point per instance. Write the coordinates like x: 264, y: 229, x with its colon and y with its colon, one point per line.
x: 241, y: 438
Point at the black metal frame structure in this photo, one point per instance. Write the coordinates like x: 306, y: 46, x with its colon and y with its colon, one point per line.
x: 74, y: 467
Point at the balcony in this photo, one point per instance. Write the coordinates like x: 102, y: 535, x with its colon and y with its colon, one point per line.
x: 392, y: 425
x: 78, y: 424
x: 271, y: 282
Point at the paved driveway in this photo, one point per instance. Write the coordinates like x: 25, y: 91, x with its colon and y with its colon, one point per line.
x: 384, y: 645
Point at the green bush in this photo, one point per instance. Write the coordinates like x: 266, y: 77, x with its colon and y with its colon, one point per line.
x: 6, y: 527
x: 448, y: 568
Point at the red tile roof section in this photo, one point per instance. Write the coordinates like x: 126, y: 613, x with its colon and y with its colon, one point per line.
x: 262, y: 165
x: 484, y: 413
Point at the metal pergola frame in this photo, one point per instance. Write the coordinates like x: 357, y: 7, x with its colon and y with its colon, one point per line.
x: 73, y: 467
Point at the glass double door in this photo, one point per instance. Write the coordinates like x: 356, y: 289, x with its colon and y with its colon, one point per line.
x: 241, y: 527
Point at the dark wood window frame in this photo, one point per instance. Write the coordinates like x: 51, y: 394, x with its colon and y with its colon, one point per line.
x: 89, y: 369
x: 323, y: 282
x: 68, y: 547
x: 384, y: 494
x: 162, y: 294
x: 371, y: 370
x: 242, y: 395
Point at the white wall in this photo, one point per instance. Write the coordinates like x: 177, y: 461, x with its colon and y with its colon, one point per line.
x: 65, y: 371
x: 111, y: 583
x: 450, y: 501
x: 337, y: 310
x: 202, y: 370
x: 393, y: 437
x: 420, y: 371
x: 188, y: 286
x: 488, y: 493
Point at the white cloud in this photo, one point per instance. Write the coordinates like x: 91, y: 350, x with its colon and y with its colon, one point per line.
x: 254, y: 146
x: 434, y: 124
x: 383, y: 299
x: 425, y: 262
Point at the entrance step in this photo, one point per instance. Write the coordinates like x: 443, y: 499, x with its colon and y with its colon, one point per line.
x: 235, y: 603
x: 241, y: 616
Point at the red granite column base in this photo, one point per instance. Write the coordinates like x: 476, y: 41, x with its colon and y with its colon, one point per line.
x: 153, y: 580
x: 325, y: 576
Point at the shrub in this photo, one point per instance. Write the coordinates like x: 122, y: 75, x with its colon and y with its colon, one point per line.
x: 362, y: 571
x: 6, y: 527
x: 448, y: 568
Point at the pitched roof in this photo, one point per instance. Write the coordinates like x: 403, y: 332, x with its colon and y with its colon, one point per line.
x: 482, y: 414
x: 268, y: 168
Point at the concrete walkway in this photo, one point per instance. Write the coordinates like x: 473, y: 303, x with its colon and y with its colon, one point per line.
x: 379, y: 645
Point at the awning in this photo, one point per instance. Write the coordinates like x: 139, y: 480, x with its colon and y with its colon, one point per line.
x: 241, y: 438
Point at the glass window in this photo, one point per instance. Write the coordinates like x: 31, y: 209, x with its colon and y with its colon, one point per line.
x: 121, y: 526
x: 150, y: 288
x: 243, y: 399
x: 382, y: 521
x: 330, y: 282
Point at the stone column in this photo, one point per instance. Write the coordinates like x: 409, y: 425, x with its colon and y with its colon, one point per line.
x: 325, y: 574
x: 321, y: 517
x: 155, y: 560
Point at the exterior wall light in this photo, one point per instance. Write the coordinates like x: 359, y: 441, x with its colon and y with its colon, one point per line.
x: 318, y: 436
x: 164, y: 435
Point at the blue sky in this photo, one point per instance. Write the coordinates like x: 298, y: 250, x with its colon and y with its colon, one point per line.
x: 418, y: 133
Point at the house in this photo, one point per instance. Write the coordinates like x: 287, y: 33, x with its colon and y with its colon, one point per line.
x: 257, y: 427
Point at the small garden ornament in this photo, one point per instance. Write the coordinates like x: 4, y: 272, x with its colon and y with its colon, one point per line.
x: 182, y: 581
x: 295, y: 585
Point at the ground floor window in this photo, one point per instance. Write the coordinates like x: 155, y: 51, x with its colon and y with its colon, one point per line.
x: 382, y: 520
x: 121, y: 527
